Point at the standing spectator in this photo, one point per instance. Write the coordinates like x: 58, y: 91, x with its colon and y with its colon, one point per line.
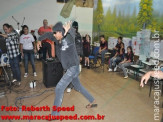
x: 13, y: 30
x: 86, y: 49
x: 12, y: 44
x: 102, y: 50
x: 47, y: 45
x: 27, y: 47
x: 128, y: 60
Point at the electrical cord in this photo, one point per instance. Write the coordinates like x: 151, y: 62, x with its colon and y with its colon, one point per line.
x: 22, y: 91
x: 35, y: 95
x: 18, y: 100
x: 26, y: 97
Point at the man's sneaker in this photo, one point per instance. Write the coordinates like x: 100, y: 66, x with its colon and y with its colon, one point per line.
x: 35, y: 74
x: 14, y: 80
x: 68, y: 90
x: 26, y: 75
x: 115, y: 68
x: 126, y: 77
x: 110, y: 70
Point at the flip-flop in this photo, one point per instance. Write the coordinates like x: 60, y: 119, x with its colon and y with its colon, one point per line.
x: 91, y: 105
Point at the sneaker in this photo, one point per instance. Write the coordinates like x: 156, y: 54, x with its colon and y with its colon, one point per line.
x: 68, y: 90
x: 115, y: 68
x: 26, y: 75
x: 126, y: 77
x: 35, y: 74
x: 110, y: 70
x: 14, y: 80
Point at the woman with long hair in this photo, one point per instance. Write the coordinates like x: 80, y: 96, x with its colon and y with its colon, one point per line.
x: 27, y: 47
x: 128, y: 60
x: 86, y: 49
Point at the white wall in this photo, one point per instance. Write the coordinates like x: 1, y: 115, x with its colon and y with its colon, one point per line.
x: 35, y: 11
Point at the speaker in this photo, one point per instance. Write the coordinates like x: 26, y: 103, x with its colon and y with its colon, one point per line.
x: 4, y: 60
x: 52, y: 72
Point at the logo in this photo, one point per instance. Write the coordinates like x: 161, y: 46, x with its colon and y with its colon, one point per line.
x: 64, y: 45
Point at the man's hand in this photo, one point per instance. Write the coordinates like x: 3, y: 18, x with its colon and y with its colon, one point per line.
x: 51, y: 26
x: 145, y: 79
x: 39, y: 45
x: 4, y: 35
x: 67, y: 27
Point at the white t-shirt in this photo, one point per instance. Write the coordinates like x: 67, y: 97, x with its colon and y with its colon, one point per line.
x: 26, y: 41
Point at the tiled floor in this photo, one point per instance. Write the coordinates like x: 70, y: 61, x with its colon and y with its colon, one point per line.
x: 120, y: 100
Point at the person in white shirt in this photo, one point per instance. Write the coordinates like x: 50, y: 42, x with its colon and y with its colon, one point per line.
x: 27, y: 47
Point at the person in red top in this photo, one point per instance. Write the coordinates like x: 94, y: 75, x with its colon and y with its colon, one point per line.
x: 47, y: 45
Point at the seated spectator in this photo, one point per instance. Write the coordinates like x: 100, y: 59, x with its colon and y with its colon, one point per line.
x: 86, y: 49
x: 128, y: 60
x: 27, y: 47
x: 117, y: 47
x: 118, y: 57
x: 102, y: 50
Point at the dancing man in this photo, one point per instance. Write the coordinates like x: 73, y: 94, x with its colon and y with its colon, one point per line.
x: 64, y: 37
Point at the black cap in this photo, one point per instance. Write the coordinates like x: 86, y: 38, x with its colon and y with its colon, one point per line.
x: 58, y: 27
x: 75, y: 24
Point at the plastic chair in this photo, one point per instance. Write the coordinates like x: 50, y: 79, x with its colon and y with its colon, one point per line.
x: 92, y: 56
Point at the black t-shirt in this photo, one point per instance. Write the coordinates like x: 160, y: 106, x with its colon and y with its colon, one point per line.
x: 103, y: 45
x: 86, y: 46
x: 123, y: 53
x: 118, y: 46
x: 129, y: 56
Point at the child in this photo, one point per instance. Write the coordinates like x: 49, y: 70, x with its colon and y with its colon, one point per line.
x: 128, y: 60
x: 86, y: 50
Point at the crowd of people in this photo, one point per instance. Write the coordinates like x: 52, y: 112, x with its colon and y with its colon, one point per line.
x: 24, y: 45
x: 65, y: 43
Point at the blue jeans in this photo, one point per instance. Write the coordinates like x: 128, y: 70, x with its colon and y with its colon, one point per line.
x: 102, y: 56
x: 27, y: 56
x: 15, y: 67
x: 113, y: 61
x: 123, y: 67
x: 71, y: 76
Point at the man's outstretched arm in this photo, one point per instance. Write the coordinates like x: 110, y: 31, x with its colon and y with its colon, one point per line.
x: 149, y: 74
